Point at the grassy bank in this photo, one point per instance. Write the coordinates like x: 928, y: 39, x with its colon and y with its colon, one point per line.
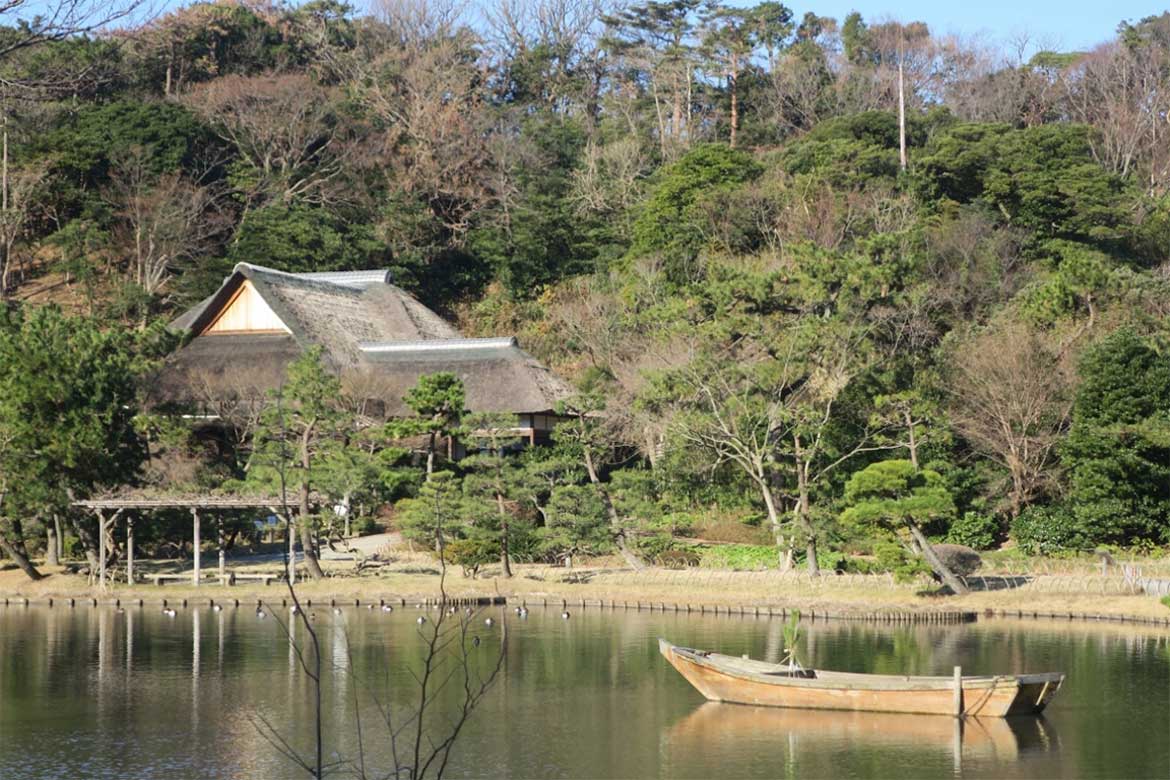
x: 1078, y: 593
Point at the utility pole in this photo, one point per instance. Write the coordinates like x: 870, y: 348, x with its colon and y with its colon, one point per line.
x: 901, y: 112
x: 4, y: 261
x: 4, y: 173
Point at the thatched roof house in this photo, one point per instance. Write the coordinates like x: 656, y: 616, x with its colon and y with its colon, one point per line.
x: 377, y: 336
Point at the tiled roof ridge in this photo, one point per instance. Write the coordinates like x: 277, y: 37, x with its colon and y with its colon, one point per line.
x: 439, y: 344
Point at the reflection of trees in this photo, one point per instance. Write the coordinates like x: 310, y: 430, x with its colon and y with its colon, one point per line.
x: 593, y: 686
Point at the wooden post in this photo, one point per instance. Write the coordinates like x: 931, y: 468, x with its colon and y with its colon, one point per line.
x: 958, y: 694
x: 195, y: 535
x: 101, y: 549
x: 219, y: 542
x: 957, y: 748
x: 130, y: 549
x: 292, y: 552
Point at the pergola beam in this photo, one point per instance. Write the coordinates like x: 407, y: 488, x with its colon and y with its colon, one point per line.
x: 195, y: 546
x: 193, y: 503
x: 103, y: 526
x: 181, y: 503
x: 129, y: 549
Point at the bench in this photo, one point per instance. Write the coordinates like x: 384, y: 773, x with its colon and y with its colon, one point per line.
x: 231, y: 579
x: 265, y: 579
x: 159, y: 578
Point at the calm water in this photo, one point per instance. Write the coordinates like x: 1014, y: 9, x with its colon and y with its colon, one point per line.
x: 93, y: 693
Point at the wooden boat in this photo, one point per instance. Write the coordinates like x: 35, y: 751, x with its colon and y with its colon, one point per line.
x: 744, y: 681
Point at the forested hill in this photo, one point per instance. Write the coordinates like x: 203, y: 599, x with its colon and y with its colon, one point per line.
x: 706, y: 215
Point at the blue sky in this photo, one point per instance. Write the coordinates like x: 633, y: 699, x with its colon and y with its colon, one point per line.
x: 1068, y: 25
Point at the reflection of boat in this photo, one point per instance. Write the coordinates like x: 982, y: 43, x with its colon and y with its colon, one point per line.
x: 997, y: 738
x: 743, y: 681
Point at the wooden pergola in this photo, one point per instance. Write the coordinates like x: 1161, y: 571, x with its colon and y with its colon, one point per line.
x: 108, y: 510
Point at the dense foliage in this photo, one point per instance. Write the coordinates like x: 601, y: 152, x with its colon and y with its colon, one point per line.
x: 707, y: 217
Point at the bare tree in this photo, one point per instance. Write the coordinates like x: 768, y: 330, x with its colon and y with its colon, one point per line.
x: 417, y: 23
x: 422, y: 76
x: 562, y: 37
x: 238, y: 401
x: 28, y: 24
x: 422, y: 734
x: 593, y: 434
x: 768, y: 408
x: 988, y: 83
x: 285, y: 127
x: 21, y: 190
x: 609, y: 181
x: 798, y: 85
x: 1011, y: 398
x: 1124, y: 92
x: 165, y: 221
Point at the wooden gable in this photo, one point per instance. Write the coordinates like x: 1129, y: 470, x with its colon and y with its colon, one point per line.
x: 246, y: 312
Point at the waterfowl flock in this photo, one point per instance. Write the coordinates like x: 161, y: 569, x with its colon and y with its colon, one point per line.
x: 520, y: 612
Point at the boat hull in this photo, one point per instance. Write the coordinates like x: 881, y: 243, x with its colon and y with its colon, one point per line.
x: 729, y: 679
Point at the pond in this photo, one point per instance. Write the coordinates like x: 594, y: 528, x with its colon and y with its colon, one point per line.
x: 93, y: 692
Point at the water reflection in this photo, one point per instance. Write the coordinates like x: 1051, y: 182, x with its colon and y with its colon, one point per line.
x: 998, y: 739
x: 98, y: 692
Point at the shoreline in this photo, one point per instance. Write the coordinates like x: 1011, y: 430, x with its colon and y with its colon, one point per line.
x: 863, y: 598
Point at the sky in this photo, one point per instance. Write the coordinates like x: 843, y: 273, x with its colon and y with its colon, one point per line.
x: 1068, y: 25
x: 1071, y: 25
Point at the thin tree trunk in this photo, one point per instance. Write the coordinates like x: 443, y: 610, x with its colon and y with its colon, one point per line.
x: 614, y: 521
x: 913, y: 442
x: 810, y: 543
x: 51, y: 557
x: 16, y: 551
x: 88, y: 542
x: 431, y: 455
x: 307, y: 544
x: 505, y: 561
x: 774, y: 522
x: 676, y: 113
x: 731, y: 84
x: 802, y: 509
x: 1017, y: 494
x: 7, y: 260
x: 947, y: 576
x: 661, y: 122
x: 593, y: 99
x: 60, y: 537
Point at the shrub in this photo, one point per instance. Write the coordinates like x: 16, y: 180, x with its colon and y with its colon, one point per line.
x: 856, y: 565
x: 831, y: 561
x: 670, y: 222
x: 1048, y: 530
x: 651, y: 546
x: 679, y: 523
x: 365, y: 525
x: 469, y: 554
x: 1166, y: 601
x: 679, y: 558
x: 724, y: 528
x: 961, y: 560
x: 975, y: 530
x: 741, y: 557
x: 893, y: 557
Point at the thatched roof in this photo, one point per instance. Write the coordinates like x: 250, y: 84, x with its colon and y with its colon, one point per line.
x: 374, y: 334
x: 497, y: 375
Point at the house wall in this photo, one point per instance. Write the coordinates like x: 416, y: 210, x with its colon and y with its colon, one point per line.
x: 246, y: 312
